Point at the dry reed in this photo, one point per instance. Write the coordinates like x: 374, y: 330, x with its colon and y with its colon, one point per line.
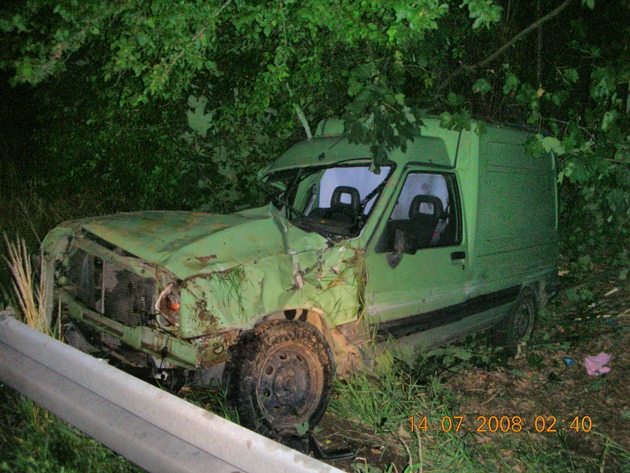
x: 30, y: 294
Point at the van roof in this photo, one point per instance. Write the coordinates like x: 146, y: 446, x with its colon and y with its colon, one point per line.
x: 436, y: 146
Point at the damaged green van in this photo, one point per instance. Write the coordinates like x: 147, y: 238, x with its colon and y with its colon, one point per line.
x: 456, y: 235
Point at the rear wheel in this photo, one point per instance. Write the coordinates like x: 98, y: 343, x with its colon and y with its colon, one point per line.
x: 517, y: 327
x: 279, y: 377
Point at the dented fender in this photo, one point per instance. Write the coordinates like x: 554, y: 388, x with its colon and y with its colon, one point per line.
x: 327, y: 280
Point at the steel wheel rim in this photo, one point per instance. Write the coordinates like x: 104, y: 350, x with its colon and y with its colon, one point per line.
x: 290, y: 384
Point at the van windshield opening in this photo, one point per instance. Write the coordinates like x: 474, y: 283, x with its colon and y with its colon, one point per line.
x: 334, y: 201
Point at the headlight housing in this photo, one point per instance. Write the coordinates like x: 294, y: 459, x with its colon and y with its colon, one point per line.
x: 167, y: 306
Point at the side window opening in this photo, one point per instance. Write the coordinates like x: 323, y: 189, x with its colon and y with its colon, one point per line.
x: 427, y: 211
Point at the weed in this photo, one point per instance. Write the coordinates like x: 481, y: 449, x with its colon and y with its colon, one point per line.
x: 470, y: 353
x: 580, y: 295
x: 383, y: 404
x: 32, y: 439
x: 29, y: 293
x: 379, y: 402
x: 212, y: 400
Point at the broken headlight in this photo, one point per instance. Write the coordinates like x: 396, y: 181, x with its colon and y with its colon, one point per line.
x: 167, y: 306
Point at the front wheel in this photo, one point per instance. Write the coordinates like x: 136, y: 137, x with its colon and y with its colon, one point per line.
x: 279, y: 377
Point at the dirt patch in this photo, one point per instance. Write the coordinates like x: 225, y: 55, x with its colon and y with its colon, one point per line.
x: 336, y: 434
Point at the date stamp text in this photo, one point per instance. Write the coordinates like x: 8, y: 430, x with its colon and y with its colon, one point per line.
x: 492, y: 424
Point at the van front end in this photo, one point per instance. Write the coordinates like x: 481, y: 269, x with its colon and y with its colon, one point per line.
x: 122, y: 304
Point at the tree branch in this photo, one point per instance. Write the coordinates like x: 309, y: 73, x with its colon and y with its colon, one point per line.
x: 537, y: 24
x: 300, y: 113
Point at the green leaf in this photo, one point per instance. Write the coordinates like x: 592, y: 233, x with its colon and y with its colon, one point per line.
x: 456, y: 121
x: 571, y: 75
x: 482, y: 128
x: 551, y: 145
x: 511, y: 83
x: 485, y: 12
x: 445, y: 119
x: 198, y: 120
x: 608, y: 119
x: 482, y: 86
x: 302, y: 429
x: 454, y: 99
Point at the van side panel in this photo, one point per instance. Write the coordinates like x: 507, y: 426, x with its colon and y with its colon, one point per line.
x: 516, y: 237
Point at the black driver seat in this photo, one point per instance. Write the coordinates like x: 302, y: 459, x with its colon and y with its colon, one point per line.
x: 340, y: 209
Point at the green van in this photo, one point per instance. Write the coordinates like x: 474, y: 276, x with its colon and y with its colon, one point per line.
x: 456, y: 235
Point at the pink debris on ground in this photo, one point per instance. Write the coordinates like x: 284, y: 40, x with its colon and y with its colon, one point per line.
x: 596, y: 365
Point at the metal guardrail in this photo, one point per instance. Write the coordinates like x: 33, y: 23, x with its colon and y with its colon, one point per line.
x: 154, y: 429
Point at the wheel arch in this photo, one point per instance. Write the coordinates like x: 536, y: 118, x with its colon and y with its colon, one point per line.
x: 346, y: 356
x: 513, y: 330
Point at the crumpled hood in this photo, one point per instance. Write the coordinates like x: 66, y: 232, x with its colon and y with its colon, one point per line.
x: 189, y: 243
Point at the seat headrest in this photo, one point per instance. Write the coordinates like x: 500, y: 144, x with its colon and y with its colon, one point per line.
x: 341, y: 191
x: 428, y: 205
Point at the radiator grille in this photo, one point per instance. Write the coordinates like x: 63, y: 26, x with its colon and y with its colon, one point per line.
x: 109, y: 289
x: 127, y: 297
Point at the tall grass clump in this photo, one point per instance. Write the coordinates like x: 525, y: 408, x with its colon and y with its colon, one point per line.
x: 383, y: 402
x: 31, y: 438
x: 29, y: 292
x: 30, y: 295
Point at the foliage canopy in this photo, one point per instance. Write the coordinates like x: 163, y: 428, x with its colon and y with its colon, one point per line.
x: 169, y: 103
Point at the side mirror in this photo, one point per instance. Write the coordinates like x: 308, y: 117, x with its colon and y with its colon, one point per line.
x: 401, y: 241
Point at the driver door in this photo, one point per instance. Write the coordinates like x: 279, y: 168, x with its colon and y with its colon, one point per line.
x: 417, y: 259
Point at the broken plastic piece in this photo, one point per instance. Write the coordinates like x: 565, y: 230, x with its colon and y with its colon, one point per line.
x: 596, y: 365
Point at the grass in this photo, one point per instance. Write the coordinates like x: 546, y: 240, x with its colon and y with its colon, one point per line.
x: 386, y: 404
x: 212, y: 399
x: 28, y: 292
x: 32, y: 440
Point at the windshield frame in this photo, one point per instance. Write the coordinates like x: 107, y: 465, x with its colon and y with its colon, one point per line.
x: 289, y: 180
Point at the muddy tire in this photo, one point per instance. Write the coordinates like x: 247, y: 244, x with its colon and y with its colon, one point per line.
x: 279, y: 377
x: 517, y: 326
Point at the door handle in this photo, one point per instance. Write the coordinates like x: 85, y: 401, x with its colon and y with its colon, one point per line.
x: 457, y: 255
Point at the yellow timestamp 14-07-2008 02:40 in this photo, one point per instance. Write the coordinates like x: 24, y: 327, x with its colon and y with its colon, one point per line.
x: 484, y: 424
